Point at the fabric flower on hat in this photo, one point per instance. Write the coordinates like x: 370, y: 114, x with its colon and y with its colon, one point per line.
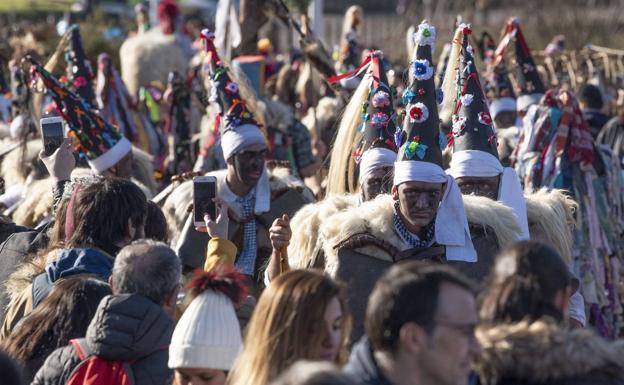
x: 418, y: 113
x: 231, y: 87
x: 381, y: 99
x: 422, y: 70
x: 442, y: 141
x: 466, y: 99
x: 408, y: 96
x: 425, y: 35
x: 399, y: 137
x: 485, y: 118
x: 380, y: 119
x: 415, y: 148
x: 459, y: 125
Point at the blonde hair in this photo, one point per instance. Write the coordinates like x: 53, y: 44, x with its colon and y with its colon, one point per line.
x: 284, y: 327
x: 450, y: 77
x: 347, y: 24
x: 342, y: 167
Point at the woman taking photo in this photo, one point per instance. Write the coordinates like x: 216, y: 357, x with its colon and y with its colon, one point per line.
x: 301, y: 315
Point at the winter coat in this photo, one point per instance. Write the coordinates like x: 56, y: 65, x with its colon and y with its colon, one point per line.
x: 543, y: 353
x: 363, y: 367
x: 70, y: 262
x: 126, y: 327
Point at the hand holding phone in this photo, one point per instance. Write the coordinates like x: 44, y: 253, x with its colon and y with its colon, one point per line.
x: 204, y: 191
x: 52, y: 133
x: 61, y: 163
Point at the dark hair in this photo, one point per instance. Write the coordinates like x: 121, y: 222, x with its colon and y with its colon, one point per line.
x: 591, y: 96
x: 408, y: 292
x: 61, y: 316
x: 523, y: 284
x: 10, y: 371
x: 156, y: 224
x: 101, y: 213
x: 148, y: 268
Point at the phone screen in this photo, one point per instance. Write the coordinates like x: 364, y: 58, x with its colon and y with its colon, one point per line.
x: 203, y: 193
x: 52, y: 136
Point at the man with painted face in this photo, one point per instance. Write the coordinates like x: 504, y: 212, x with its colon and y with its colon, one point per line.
x: 256, y: 199
x: 355, y: 176
x: 425, y: 217
x: 475, y: 164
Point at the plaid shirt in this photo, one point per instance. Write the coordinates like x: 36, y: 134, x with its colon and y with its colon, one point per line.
x: 411, y: 239
x: 246, y: 261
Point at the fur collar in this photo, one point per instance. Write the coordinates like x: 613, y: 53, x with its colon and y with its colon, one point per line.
x: 375, y: 218
x: 306, y: 224
x: 542, y: 352
x: 26, y: 272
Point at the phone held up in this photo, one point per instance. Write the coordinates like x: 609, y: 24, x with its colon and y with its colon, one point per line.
x: 53, y: 134
x: 204, y: 191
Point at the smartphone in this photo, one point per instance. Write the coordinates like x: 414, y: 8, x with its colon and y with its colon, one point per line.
x: 53, y: 134
x: 204, y: 191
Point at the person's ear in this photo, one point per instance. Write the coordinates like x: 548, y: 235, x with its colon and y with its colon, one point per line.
x: 110, y: 282
x: 413, y: 338
x: 395, y: 193
x: 562, y: 300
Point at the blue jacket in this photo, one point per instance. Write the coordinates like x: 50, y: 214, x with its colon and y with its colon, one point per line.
x: 363, y: 367
x: 71, y: 262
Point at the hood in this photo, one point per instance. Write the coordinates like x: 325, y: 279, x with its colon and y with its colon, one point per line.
x: 509, y: 354
x: 362, y: 365
x: 128, y: 327
x: 80, y: 261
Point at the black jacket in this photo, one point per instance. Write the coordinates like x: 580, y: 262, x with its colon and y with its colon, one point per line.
x: 363, y: 367
x: 125, y: 327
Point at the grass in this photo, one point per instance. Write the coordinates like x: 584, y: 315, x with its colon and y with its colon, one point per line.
x: 35, y: 5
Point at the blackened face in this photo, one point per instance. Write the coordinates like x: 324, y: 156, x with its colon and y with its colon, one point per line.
x: 505, y: 119
x: 378, y: 182
x: 480, y: 186
x: 249, y: 164
x: 418, y: 203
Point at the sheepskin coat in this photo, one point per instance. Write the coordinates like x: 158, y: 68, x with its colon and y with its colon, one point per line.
x: 492, y: 225
x: 543, y: 352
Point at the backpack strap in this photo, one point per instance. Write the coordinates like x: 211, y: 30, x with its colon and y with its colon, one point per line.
x: 81, y: 347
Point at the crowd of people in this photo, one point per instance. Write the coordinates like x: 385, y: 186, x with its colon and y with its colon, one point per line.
x: 445, y: 223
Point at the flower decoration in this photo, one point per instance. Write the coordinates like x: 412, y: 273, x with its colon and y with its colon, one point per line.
x: 459, y: 125
x: 439, y: 95
x: 381, y: 99
x: 425, y: 35
x: 422, y: 69
x: 408, y: 96
x: 399, y: 137
x: 442, y: 141
x: 418, y: 113
x: 466, y: 99
x: 485, y: 118
x: 415, y: 148
x: 231, y: 88
x: 379, y: 119
x: 80, y: 81
x: 492, y: 140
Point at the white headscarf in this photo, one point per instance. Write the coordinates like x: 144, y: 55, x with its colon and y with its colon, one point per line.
x: 235, y: 139
x: 451, y: 226
x: 375, y: 158
x: 482, y: 164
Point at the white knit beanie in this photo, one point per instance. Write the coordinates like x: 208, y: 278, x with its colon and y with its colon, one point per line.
x: 208, y: 334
